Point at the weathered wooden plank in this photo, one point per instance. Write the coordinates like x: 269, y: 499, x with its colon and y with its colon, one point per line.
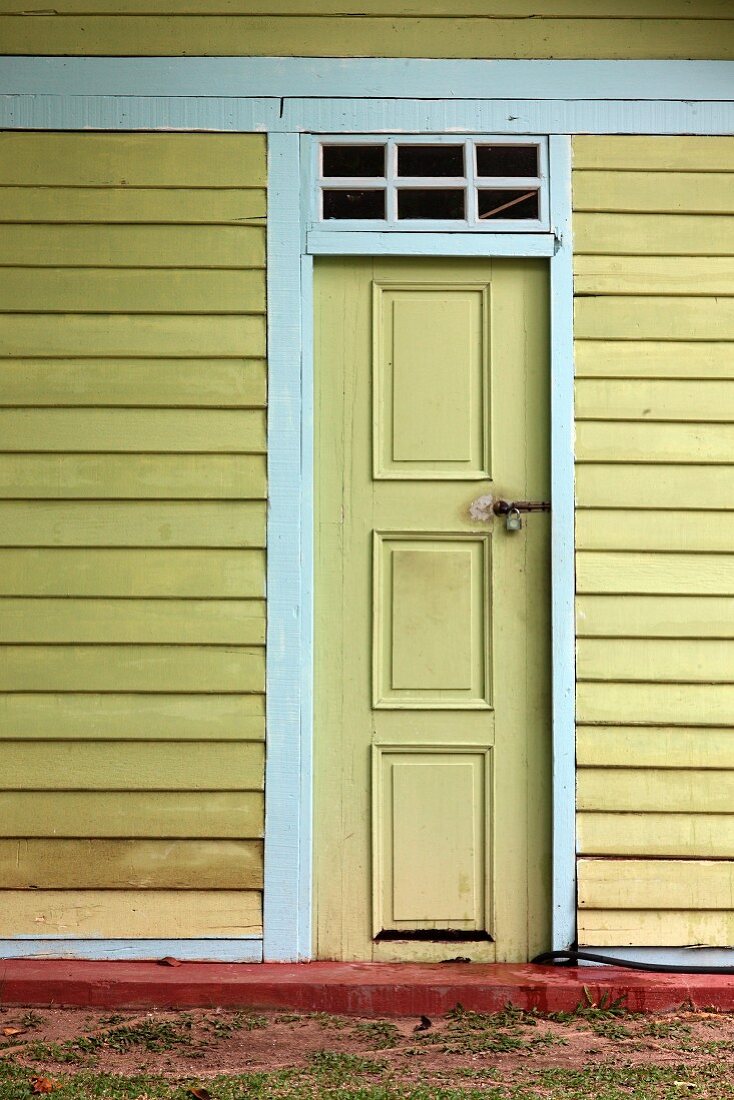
x: 188, y: 717
x: 121, y: 668
x: 654, y: 274
x: 640, y: 442
x: 615, y: 529
x: 312, y: 36
x: 708, y: 836
x: 130, y: 914
x: 132, y: 477
x: 226, y: 383
x: 659, y: 660
x: 664, y: 192
x: 132, y: 523
x: 133, y: 160
x: 648, y: 359
x: 654, y: 399
x: 125, y: 290
x: 616, y: 485
x: 664, y: 154
x: 149, y: 334
x: 131, y: 205
x: 654, y: 747
x: 179, y: 246
x: 659, y: 704
x: 131, y: 572
x: 655, y: 884
x: 662, y: 234
x: 655, y: 616
x: 664, y: 574
x: 234, y: 815
x: 655, y: 928
x: 131, y: 864
x: 132, y: 765
x: 655, y: 790
x: 230, y: 431
x: 618, y: 317
x: 166, y: 621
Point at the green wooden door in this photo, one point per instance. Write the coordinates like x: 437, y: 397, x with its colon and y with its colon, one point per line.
x: 432, y: 727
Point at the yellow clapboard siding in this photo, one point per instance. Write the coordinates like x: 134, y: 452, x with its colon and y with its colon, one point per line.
x: 652, y: 928
x: 234, y: 815
x: 166, y: 621
x: 654, y: 318
x: 119, y: 668
x: 130, y: 914
x: 639, y: 790
x: 131, y: 205
x: 635, y: 442
x: 387, y: 36
x: 686, y: 835
x: 137, y: 160
x: 705, y: 9
x: 647, y: 359
x: 655, y: 884
x: 655, y: 616
x: 131, y: 864
x: 658, y: 660
x: 233, y: 382
x: 133, y: 246
x: 132, y: 523
x: 653, y: 275
x: 149, y: 430
x: 120, y: 766
x: 616, y: 529
x: 162, y: 621
x: 133, y: 477
x: 665, y: 574
x: 132, y: 334
x: 664, y: 192
x: 43, y: 715
x: 132, y: 572
x: 631, y: 486
x: 658, y: 154
x: 124, y: 290
x: 654, y: 399
x: 663, y: 234
x: 654, y: 747
x: 659, y: 704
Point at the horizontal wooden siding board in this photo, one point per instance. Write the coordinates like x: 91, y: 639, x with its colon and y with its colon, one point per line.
x: 654, y: 835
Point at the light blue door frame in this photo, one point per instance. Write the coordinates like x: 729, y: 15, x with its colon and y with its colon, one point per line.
x: 286, y: 98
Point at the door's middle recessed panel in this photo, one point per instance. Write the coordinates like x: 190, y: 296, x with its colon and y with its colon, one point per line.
x: 431, y: 622
x: 431, y: 381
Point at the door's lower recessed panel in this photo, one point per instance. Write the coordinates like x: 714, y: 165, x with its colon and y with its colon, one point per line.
x: 431, y: 628
x: 431, y: 839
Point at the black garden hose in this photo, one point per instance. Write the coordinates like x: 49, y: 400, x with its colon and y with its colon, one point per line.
x: 572, y: 958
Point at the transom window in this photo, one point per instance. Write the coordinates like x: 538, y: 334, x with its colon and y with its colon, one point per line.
x: 418, y: 183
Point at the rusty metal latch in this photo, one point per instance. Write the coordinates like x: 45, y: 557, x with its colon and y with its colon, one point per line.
x: 503, y: 507
x: 485, y: 507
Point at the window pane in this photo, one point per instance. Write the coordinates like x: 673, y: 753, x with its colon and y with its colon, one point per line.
x: 354, y: 204
x: 507, y: 160
x: 430, y: 160
x: 499, y: 205
x: 353, y: 160
x: 431, y: 203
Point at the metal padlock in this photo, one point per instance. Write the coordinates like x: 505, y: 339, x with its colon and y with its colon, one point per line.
x: 513, y: 520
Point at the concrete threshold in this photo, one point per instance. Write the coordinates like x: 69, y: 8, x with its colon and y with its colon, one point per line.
x: 358, y: 989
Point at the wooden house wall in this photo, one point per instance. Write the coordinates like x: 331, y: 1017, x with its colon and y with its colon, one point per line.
x: 654, y: 324
x: 132, y: 525
x: 373, y: 28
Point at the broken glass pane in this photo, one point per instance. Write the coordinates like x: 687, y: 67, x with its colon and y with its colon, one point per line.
x: 354, y: 204
x: 507, y: 160
x: 500, y: 205
x: 430, y: 160
x: 429, y: 202
x: 353, y: 160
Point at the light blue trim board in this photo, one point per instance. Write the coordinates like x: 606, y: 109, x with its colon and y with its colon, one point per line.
x: 562, y: 551
x: 333, y: 243
x: 287, y: 899
x: 247, y: 949
x: 409, y: 78
x: 82, y: 112
x: 668, y: 956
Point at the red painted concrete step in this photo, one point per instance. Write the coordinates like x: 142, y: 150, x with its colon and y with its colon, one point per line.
x: 363, y: 989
